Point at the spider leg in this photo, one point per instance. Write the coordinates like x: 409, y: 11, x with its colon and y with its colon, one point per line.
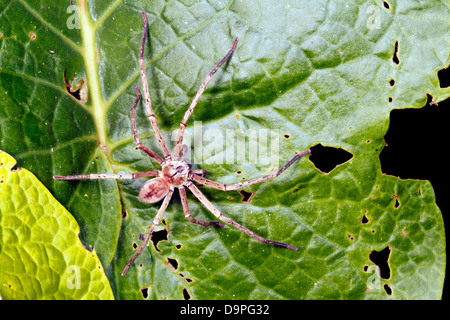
x: 200, y: 196
x: 187, y: 213
x: 139, y: 145
x: 190, y: 110
x: 156, y: 220
x: 200, y: 172
x: 148, y: 103
x: 224, y: 187
x: 94, y: 176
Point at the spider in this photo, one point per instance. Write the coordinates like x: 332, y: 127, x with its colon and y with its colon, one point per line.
x: 176, y: 172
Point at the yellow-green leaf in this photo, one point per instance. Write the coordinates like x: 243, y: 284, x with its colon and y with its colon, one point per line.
x: 41, y: 256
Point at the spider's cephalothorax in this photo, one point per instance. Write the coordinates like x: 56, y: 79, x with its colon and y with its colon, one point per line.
x: 175, y: 172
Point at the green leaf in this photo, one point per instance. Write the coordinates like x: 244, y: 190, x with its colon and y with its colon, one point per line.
x: 41, y: 256
x: 309, y: 72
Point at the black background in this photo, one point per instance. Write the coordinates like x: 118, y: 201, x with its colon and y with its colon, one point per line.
x: 417, y: 142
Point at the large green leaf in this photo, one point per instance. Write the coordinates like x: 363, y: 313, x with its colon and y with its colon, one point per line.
x: 309, y: 71
x: 41, y: 256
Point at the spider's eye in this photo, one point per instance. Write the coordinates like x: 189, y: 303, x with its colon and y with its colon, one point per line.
x: 153, y: 190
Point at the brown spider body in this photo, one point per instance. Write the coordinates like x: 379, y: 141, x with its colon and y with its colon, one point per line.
x: 175, y: 172
x: 154, y: 190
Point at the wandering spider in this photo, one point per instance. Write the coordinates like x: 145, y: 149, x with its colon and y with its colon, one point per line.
x: 176, y: 172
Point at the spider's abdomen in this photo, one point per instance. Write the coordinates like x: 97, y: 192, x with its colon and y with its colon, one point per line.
x: 175, y: 172
x: 153, y: 190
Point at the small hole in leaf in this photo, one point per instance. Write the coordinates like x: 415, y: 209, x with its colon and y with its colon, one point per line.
x: 186, y: 294
x: 386, y: 5
x: 381, y: 259
x: 187, y: 279
x: 144, y: 292
x: 387, y: 289
x: 78, y: 90
x: 135, y: 245
x: 390, y: 99
x: 124, y: 214
x: 286, y: 136
x: 364, y: 219
x: 327, y: 158
x: 246, y: 196
x: 366, y: 268
x: 173, y: 263
x: 238, y: 171
x: 444, y: 77
x: 178, y: 246
x: 395, y: 55
x: 392, y: 82
x: 158, y: 236
x: 396, y: 203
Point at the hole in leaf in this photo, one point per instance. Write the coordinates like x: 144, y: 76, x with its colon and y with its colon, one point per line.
x: 178, y: 246
x: 144, y: 292
x: 246, y: 196
x: 238, y: 171
x: 187, y: 279
x: 364, y: 219
x: 390, y: 99
x: 186, y: 294
x: 414, y: 150
x: 124, y: 214
x: 158, y: 236
x: 395, y: 56
x: 135, y: 245
x: 327, y: 158
x: 381, y: 260
x: 286, y: 136
x: 78, y: 90
x: 173, y: 264
x: 392, y: 82
x: 366, y: 268
x: 386, y: 5
x: 444, y: 77
x: 397, y: 203
x: 388, y: 289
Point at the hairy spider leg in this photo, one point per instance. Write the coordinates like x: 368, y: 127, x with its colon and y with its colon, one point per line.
x: 177, y: 149
x: 95, y: 176
x: 156, y: 220
x: 201, y: 197
x: 148, y: 102
x: 187, y: 213
x: 138, y: 143
x: 237, y: 186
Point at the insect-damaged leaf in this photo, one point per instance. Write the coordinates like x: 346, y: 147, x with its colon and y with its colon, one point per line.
x: 310, y: 72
